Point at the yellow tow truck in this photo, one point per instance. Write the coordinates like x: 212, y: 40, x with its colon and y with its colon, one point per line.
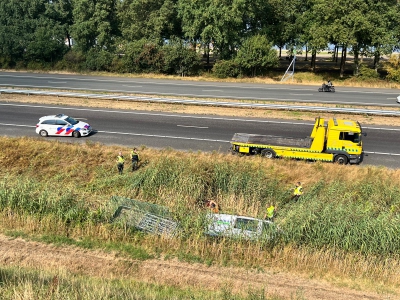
x: 337, y: 141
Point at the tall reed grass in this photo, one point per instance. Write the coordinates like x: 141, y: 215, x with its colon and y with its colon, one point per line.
x: 347, y: 214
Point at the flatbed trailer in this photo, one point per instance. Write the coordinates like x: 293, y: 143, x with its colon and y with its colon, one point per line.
x: 337, y: 141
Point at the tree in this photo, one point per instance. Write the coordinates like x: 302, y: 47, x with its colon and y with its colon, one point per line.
x: 27, y: 33
x: 256, y: 54
x: 149, y: 19
x: 221, y: 23
x: 95, y: 24
x: 355, y: 24
x: 280, y: 24
x: 61, y: 12
x: 47, y: 43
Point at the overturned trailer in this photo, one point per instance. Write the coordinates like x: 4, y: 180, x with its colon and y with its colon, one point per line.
x: 144, y: 216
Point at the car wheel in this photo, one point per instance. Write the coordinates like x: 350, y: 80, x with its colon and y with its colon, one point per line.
x: 43, y: 133
x: 76, y: 134
x: 268, y: 153
x: 341, y: 159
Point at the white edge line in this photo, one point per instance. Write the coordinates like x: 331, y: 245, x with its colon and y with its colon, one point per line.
x: 178, y: 137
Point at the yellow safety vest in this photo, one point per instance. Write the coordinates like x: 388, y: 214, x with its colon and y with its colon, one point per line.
x: 134, y: 156
x: 270, y: 212
x: 298, y: 191
x: 120, y: 159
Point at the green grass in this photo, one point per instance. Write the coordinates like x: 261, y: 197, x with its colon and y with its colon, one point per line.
x: 347, y: 213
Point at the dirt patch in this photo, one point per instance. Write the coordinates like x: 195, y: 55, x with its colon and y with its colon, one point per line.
x: 18, y: 252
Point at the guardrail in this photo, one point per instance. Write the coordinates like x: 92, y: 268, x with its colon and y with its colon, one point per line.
x: 377, y: 112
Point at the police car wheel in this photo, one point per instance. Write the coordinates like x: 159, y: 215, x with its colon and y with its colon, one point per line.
x: 43, y: 133
x: 76, y: 134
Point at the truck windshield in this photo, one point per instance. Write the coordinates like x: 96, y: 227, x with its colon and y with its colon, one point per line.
x: 350, y: 136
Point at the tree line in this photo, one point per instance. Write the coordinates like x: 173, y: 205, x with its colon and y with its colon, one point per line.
x: 166, y: 36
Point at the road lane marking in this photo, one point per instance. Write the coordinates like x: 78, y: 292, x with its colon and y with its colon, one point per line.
x: 177, y: 137
x: 18, y: 125
x: 207, y: 96
x: 301, y: 94
x: 182, y: 116
x: 133, y: 86
x: 56, y: 81
x: 134, y: 134
x: 253, y: 86
x: 212, y: 90
x: 163, y: 136
x: 189, y: 126
x: 382, y: 153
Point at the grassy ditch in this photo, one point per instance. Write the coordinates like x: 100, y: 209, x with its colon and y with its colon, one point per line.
x: 347, y: 225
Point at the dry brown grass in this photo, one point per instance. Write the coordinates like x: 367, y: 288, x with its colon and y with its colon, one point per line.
x: 28, y: 155
x: 38, y: 159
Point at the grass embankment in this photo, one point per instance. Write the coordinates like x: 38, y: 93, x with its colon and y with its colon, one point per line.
x: 346, y: 227
x: 33, y: 284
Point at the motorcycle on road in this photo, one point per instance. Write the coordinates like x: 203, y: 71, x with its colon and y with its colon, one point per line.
x: 327, y: 88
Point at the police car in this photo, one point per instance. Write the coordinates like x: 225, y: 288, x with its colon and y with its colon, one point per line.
x: 62, y: 125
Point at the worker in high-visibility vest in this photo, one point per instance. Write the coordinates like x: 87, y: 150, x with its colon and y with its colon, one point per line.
x: 120, y: 163
x: 298, y: 191
x: 269, y: 215
x: 135, y: 159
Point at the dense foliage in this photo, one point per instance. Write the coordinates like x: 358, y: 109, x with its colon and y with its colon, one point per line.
x: 140, y: 36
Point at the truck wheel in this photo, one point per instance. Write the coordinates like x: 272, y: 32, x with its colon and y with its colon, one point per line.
x: 341, y: 159
x: 268, y: 153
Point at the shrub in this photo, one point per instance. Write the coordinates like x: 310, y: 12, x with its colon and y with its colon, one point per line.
x: 98, y: 60
x: 5, y: 61
x: 118, y: 65
x: 37, y: 65
x: 143, y: 56
x: 178, y: 58
x: 393, y: 68
x: 226, y: 68
x: 72, y: 60
x: 367, y: 73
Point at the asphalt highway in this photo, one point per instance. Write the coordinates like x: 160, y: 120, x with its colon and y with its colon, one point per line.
x: 275, y: 92
x: 181, y: 131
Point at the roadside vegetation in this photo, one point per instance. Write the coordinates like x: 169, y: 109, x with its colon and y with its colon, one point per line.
x: 237, y: 39
x: 20, y: 283
x: 345, y: 228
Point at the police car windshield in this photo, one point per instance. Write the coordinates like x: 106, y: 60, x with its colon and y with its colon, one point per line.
x: 71, y: 121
